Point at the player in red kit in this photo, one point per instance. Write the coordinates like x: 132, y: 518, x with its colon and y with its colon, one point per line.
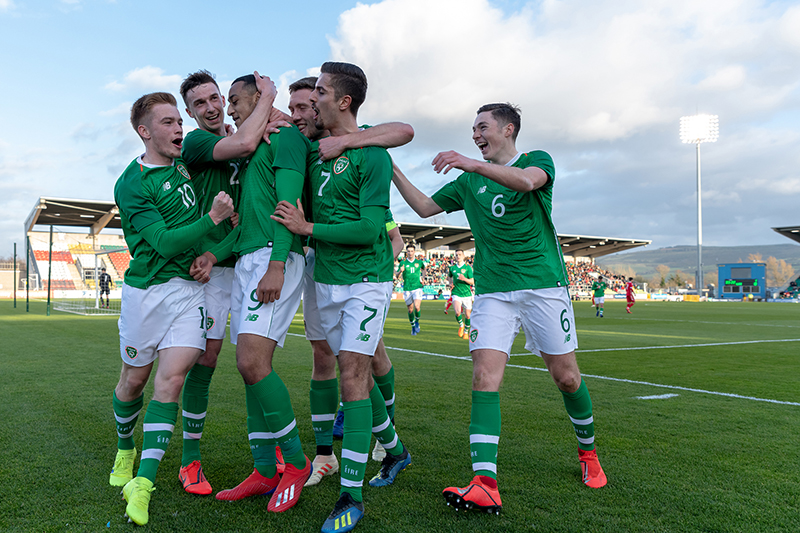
x: 629, y: 294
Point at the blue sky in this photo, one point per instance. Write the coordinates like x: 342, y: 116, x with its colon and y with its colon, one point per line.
x: 602, y: 87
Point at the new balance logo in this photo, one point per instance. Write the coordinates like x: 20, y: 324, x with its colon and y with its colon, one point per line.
x: 251, y: 317
x: 567, y: 338
x: 482, y: 190
x: 362, y: 337
x: 343, y: 521
x: 167, y: 186
x: 285, y: 497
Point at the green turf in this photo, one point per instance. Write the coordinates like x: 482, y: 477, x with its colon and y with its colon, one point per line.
x: 693, y: 462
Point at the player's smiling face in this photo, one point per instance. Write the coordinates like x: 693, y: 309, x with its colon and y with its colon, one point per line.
x: 165, y: 131
x: 206, y: 106
x: 489, y: 136
x: 303, y: 114
x: 324, y: 103
x: 241, y: 102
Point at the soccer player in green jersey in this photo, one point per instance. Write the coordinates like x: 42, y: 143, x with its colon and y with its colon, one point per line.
x: 323, y: 393
x: 520, y: 281
x: 353, y: 278
x: 214, y: 160
x: 269, y: 275
x: 163, y: 308
x: 461, y: 282
x: 599, y: 293
x: 411, y: 269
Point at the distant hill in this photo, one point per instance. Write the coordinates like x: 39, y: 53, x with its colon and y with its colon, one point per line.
x: 684, y: 258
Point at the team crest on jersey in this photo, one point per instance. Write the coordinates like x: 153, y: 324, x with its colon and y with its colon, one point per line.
x: 209, y: 323
x: 131, y: 351
x: 184, y: 172
x: 473, y: 334
x: 340, y: 165
x: 167, y: 186
x: 482, y: 190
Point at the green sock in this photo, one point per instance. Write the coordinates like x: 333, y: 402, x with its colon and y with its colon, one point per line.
x: 386, y: 385
x: 195, y: 403
x: 579, y: 409
x: 484, y: 432
x: 277, y: 405
x: 416, y: 314
x: 262, y: 447
x: 411, y: 317
x: 466, y: 323
x: 126, y: 414
x: 355, y: 446
x: 159, y: 423
x: 382, y: 426
x: 323, y: 400
x: 460, y: 319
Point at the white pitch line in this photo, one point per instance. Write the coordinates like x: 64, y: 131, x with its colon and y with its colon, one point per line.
x: 619, y: 380
x: 658, y: 397
x: 672, y: 346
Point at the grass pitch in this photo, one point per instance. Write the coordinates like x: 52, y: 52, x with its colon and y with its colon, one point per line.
x: 696, y: 412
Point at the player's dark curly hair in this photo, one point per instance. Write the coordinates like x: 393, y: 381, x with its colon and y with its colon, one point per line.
x: 504, y: 114
x: 194, y: 80
x: 347, y: 79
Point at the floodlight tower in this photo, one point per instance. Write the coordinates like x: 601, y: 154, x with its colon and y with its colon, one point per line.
x: 699, y: 129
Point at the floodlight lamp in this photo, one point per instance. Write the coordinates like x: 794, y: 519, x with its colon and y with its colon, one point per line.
x: 699, y: 128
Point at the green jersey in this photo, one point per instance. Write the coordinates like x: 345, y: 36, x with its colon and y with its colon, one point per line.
x: 146, y: 195
x: 461, y: 288
x: 261, y: 192
x: 515, y: 240
x: 412, y: 274
x: 338, y: 190
x: 209, y: 178
x: 599, y: 288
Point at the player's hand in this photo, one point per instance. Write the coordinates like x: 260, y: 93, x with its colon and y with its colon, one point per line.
x: 294, y: 218
x: 269, y: 288
x: 266, y: 87
x: 461, y: 277
x: 277, y: 120
x: 229, y: 130
x: 201, y: 267
x: 330, y: 147
x: 221, y: 207
x: 449, y: 160
x: 235, y: 219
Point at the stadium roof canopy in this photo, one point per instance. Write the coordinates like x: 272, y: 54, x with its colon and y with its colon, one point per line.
x: 98, y: 215
x: 792, y: 232
x: 429, y: 236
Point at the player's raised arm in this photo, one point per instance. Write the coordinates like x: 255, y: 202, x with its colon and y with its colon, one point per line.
x: 516, y: 179
x: 421, y: 203
x: 244, y: 142
x: 388, y: 135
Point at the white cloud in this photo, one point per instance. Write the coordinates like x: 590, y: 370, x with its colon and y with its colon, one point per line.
x: 6, y: 4
x: 584, y: 71
x: 146, y: 78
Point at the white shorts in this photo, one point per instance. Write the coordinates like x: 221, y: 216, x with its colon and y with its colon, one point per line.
x: 163, y: 316
x: 313, y: 326
x: 545, y: 315
x: 218, y: 301
x: 599, y: 300
x: 270, y: 320
x: 466, y: 301
x: 353, y: 315
x: 410, y: 296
